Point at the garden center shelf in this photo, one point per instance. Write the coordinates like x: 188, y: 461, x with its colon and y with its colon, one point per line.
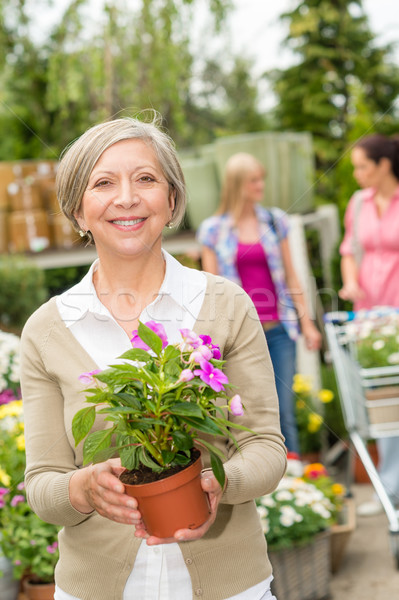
x: 370, y: 405
x: 180, y: 243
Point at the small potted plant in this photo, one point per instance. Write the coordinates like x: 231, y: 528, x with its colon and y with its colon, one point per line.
x: 163, y: 402
x: 28, y: 543
x: 297, y: 519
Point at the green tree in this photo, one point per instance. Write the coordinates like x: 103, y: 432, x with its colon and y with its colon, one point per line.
x: 336, y: 54
x: 53, y: 89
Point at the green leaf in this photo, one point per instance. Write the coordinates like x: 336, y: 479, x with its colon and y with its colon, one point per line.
x: 167, y: 456
x: 105, y: 454
x: 130, y: 457
x: 206, y: 425
x: 187, y: 409
x: 129, y: 399
x: 96, y: 441
x: 218, y: 469
x: 181, y: 459
x: 137, y: 354
x: 172, y: 369
x: 82, y: 422
x: 171, y: 352
x: 182, y: 440
x: 150, y: 338
x: 146, y: 460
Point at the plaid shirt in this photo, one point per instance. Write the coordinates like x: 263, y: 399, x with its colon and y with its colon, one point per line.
x: 220, y: 235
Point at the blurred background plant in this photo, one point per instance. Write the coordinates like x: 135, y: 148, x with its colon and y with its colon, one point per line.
x: 22, y: 291
x: 9, y: 367
x: 375, y: 334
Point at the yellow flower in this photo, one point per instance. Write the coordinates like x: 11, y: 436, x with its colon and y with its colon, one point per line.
x: 301, y: 385
x: 5, y: 479
x: 325, y: 396
x: 12, y: 409
x: 314, y: 422
x: 338, y: 489
x: 300, y: 404
x: 20, y: 441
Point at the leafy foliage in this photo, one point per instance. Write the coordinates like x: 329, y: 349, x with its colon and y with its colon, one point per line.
x: 337, y: 55
x: 22, y: 290
x: 159, y: 400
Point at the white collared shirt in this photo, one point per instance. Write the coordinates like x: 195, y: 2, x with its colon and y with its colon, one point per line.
x: 159, y: 572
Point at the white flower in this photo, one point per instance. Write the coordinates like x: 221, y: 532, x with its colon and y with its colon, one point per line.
x: 262, y: 511
x: 268, y: 501
x: 393, y: 359
x: 378, y: 345
x: 283, y: 495
x: 321, y: 510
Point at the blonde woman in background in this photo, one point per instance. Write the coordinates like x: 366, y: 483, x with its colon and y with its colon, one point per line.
x: 248, y: 244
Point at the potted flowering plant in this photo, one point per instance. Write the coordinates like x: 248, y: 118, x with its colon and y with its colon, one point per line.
x: 297, y: 519
x: 375, y: 334
x: 162, y: 401
x: 28, y: 544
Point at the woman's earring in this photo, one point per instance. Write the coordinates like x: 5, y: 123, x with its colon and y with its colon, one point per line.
x: 170, y: 225
x: 82, y: 233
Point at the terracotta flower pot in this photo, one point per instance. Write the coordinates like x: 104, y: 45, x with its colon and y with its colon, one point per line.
x: 38, y: 591
x: 176, y: 502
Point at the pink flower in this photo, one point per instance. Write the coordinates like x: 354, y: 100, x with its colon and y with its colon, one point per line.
x: 191, y: 339
x: 157, y: 328
x: 202, y: 353
x: 87, y: 378
x: 17, y: 499
x: 236, y: 406
x: 215, y: 378
x: 51, y: 550
x: 207, y: 340
x: 17, y: 563
x: 21, y: 486
x: 3, y: 491
x: 185, y: 375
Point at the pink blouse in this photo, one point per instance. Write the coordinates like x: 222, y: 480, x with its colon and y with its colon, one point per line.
x: 379, y: 238
x: 257, y: 281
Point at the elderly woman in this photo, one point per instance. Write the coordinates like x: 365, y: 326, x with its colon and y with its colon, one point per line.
x: 120, y: 184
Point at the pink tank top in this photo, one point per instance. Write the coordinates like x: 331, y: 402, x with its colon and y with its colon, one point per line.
x: 256, y: 280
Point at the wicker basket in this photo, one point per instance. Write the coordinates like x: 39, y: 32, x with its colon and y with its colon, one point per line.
x: 341, y: 532
x: 303, y: 573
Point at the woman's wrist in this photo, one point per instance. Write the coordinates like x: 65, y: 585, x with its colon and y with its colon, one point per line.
x: 77, y: 491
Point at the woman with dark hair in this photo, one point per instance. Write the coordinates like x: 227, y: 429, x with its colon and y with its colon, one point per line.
x: 370, y: 260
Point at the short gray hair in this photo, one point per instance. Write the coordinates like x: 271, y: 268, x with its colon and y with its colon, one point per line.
x: 80, y: 157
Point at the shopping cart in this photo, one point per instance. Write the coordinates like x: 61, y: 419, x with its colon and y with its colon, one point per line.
x: 370, y: 406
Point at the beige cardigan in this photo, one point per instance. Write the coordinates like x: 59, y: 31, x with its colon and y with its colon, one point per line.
x: 96, y: 554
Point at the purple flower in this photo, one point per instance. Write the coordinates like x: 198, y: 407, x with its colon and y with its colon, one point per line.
x: 33, y: 542
x: 17, y: 563
x: 185, y: 375
x: 215, y: 378
x: 2, y: 503
x: 157, y: 328
x: 3, y: 491
x: 207, y: 340
x: 17, y: 499
x: 87, y: 378
x: 236, y: 406
x: 53, y: 548
x: 7, y: 396
x: 21, y: 486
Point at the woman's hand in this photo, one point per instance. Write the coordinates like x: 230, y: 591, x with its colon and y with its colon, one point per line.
x: 214, y: 491
x: 97, y: 487
x: 351, y: 291
x: 312, y: 336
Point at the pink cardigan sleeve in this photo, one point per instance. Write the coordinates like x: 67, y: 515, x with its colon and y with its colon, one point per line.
x: 346, y: 246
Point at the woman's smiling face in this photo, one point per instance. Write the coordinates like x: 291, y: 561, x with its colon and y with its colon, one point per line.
x: 128, y: 200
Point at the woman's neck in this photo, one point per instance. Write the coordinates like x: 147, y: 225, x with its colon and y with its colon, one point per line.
x: 127, y: 286
x: 387, y: 188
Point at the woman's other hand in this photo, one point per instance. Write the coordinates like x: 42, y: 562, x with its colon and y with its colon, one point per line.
x: 351, y: 291
x: 211, y: 487
x: 97, y: 487
x: 312, y: 336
